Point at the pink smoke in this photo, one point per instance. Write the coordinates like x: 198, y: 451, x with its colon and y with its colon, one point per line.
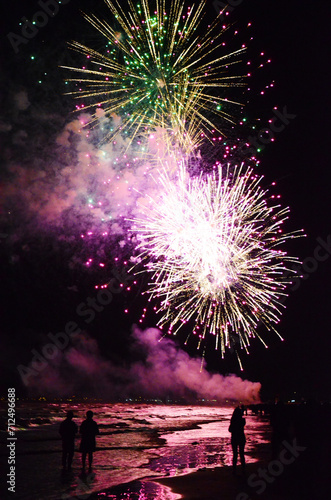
x: 170, y: 369
x: 164, y: 369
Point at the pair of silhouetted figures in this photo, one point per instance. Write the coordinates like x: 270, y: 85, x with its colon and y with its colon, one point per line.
x: 89, y: 429
x: 68, y: 430
x: 238, y: 439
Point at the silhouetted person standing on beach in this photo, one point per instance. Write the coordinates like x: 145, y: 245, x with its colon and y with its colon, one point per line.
x: 238, y: 439
x: 68, y: 430
x: 88, y: 430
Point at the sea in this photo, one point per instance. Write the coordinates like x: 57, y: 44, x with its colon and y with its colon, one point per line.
x: 138, y: 442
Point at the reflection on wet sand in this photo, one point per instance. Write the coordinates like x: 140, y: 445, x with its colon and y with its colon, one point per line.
x: 135, y: 442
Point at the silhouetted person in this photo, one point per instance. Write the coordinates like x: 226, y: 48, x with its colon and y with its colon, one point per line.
x: 68, y: 430
x: 88, y: 430
x: 238, y: 439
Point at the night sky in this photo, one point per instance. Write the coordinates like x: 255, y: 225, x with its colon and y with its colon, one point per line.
x: 40, y: 286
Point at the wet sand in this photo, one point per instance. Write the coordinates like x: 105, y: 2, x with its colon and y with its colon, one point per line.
x: 221, y: 484
x: 153, y: 470
x: 304, y: 475
x: 304, y: 479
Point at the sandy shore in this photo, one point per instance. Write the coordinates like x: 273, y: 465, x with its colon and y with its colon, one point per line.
x: 297, y: 481
x: 218, y: 483
x: 300, y: 471
x: 305, y: 478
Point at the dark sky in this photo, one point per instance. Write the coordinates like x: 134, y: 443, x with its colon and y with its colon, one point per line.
x: 37, y: 285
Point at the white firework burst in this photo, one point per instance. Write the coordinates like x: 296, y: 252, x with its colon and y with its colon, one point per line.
x: 212, y: 246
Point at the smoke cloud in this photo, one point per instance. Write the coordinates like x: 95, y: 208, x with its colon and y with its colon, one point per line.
x: 164, y: 370
x: 60, y: 179
x: 59, y: 172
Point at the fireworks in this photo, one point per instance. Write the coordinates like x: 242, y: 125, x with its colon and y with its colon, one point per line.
x: 212, y: 248
x: 157, y: 72
x: 212, y: 244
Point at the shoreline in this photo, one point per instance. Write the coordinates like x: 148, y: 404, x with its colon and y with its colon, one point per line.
x: 218, y: 483
x: 306, y: 477
x: 195, y: 463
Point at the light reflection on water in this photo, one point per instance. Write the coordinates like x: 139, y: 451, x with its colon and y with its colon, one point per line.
x: 141, y: 490
x: 207, y: 446
x: 136, y: 441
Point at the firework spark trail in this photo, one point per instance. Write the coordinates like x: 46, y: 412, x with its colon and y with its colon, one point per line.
x: 212, y: 243
x: 158, y: 72
x: 212, y: 246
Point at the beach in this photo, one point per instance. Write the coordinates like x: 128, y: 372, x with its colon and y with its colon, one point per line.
x: 296, y: 467
x: 165, y: 452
